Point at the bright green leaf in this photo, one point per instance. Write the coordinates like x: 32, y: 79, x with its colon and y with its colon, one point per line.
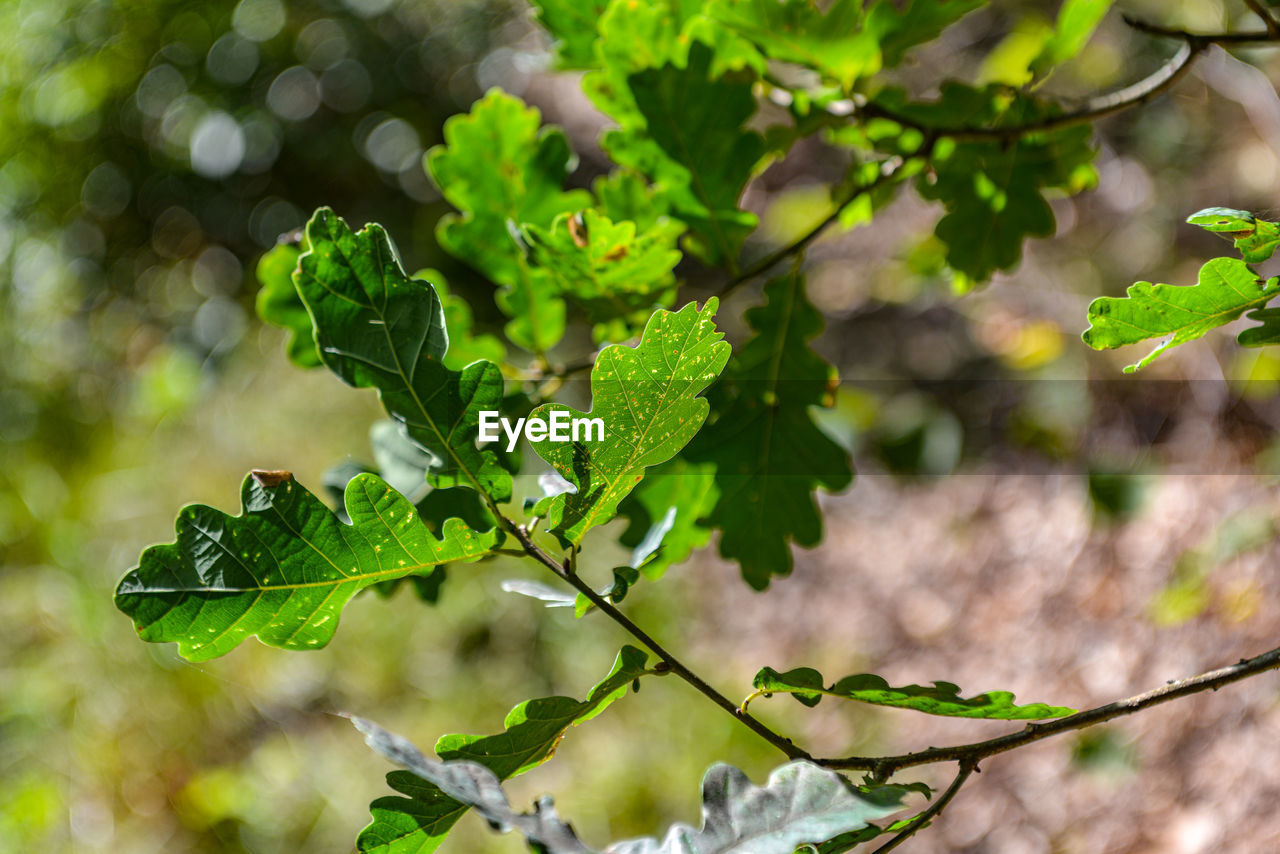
x: 769, y: 454
x: 1265, y: 335
x: 278, y: 303
x: 419, y: 823
x: 1077, y: 20
x: 573, y: 24
x: 942, y: 698
x: 284, y: 568
x: 465, y: 346
x: 606, y: 267
x: 501, y: 169
x: 1227, y: 288
x: 647, y: 397
x: 377, y: 328
x: 679, y: 490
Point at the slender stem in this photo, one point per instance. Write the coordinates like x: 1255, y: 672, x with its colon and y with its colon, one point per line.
x: 966, y: 768
x: 883, y: 767
x: 1139, y: 93
x: 672, y: 663
x: 888, y: 169
x: 1255, y: 6
x: 1249, y: 37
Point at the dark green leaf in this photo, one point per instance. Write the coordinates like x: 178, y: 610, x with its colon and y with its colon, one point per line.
x: 501, y: 169
x: 465, y: 346
x: 901, y: 27
x: 284, y: 568
x: 377, y: 328
x: 1265, y: 335
x: 420, y: 822
x: 689, y: 138
x: 769, y: 454
x: 278, y: 303
x: 1227, y: 288
x: 942, y: 698
x: 647, y: 397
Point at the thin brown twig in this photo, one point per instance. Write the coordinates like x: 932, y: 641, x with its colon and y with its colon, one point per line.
x: 885, y: 766
x: 1137, y: 94
x: 888, y: 169
x: 918, y: 823
x: 674, y: 664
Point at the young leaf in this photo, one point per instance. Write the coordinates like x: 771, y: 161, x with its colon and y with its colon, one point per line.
x: 1255, y: 239
x: 647, y: 397
x: 499, y: 167
x: 284, y: 568
x: 769, y: 454
x: 465, y: 346
x: 801, y: 803
x: 690, y: 140
x: 420, y: 822
x: 573, y: 24
x: 1077, y: 19
x: 606, y: 267
x: 278, y: 303
x: 377, y: 328
x: 943, y: 698
x: 1227, y: 288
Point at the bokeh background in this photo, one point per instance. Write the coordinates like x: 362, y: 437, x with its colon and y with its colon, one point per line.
x: 1024, y: 518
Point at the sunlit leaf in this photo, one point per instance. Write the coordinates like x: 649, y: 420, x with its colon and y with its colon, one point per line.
x: 1255, y: 239
x: 942, y: 698
x: 500, y: 168
x: 278, y: 303
x: 1227, y: 288
x: 284, y: 568
x: 647, y: 397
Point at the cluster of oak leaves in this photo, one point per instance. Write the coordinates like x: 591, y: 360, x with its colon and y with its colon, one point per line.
x: 744, y: 460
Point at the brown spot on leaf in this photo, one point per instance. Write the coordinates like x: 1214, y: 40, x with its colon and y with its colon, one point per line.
x: 271, y: 478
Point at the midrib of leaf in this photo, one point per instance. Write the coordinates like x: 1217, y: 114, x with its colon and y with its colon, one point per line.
x: 775, y: 369
x: 407, y: 378
x: 701, y: 191
x: 612, y: 482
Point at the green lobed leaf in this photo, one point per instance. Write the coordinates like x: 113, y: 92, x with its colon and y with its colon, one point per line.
x: 1077, y: 20
x: 573, y: 24
x: 942, y: 698
x: 647, y: 396
x: 840, y: 41
x: 800, y: 804
x: 500, y: 168
x: 278, y: 303
x: 1255, y: 239
x: 377, y: 328
x: 284, y: 568
x: 993, y: 191
x: 606, y: 267
x: 419, y: 823
x: 768, y: 453
x: 1227, y: 288
x: 688, y: 137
